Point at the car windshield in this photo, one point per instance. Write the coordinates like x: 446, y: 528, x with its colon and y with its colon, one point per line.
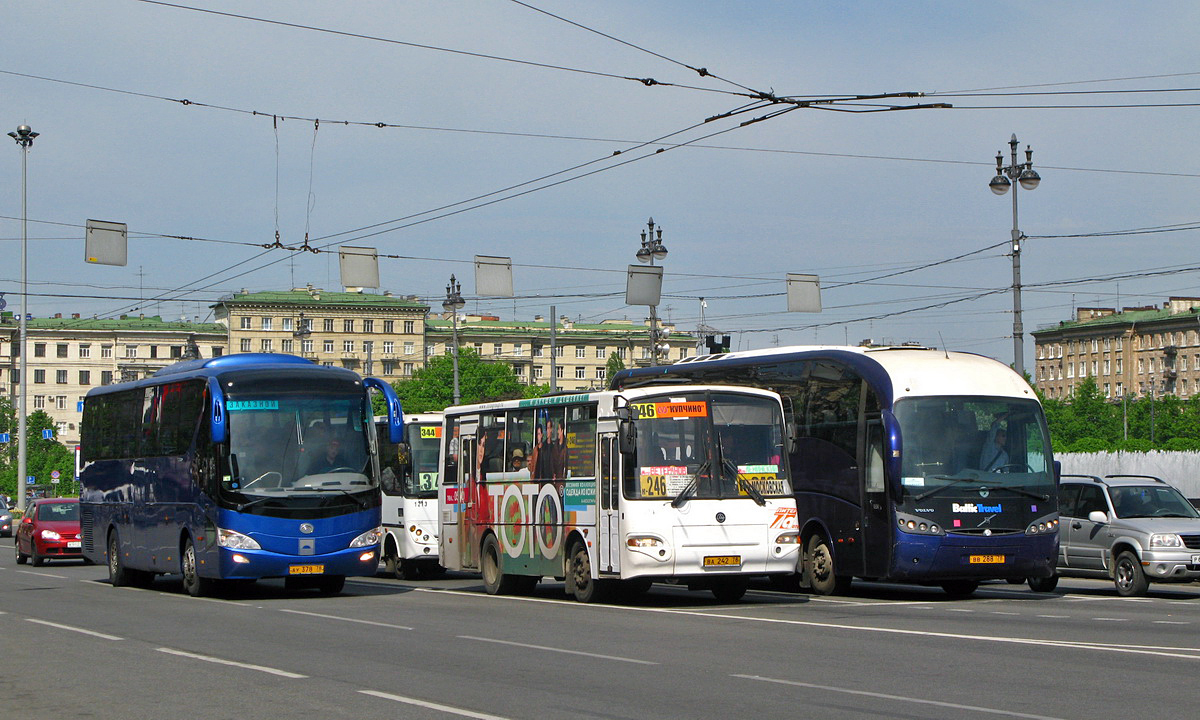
x: 58, y: 512
x: 1140, y: 501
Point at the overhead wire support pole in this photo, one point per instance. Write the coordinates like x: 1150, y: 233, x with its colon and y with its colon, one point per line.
x: 24, y: 136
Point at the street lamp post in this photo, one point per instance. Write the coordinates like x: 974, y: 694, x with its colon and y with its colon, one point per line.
x: 1026, y: 177
x: 652, y: 249
x: 24, y: 136
x: 452, y: 304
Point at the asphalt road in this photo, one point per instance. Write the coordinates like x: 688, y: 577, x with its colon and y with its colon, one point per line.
x: 74, y: 647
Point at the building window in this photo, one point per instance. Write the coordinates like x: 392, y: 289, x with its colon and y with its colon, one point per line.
x: 622, y: 352
x: 389, y: 347
x: 430, y: 349
x: 347, y: 346
x: 39, y: 402
x: 497, y: 348
x: 389, y: 367
x: 409, y: 348
x: 348, y: 326
x: 389, y: 327
x: 410, y: 327
x: 106, y: 351
x: 177, y: 351
x: 601, y: 373
x: 245, y: 345
x: 558, y: 372
x: 368, y: 326
x: 306, y: 347
x: 601, y: 352
x: 537, y: 372
x: 580, y: 373
x: 266, y: 345
x: 267, y: 323
x: 285, y: 324
x: 131, y: 351
x: 537, y: 351
x: 558, y: 350
x: 518, y: 348
x: 328, y: 325
x: 85, y: 377
x: 62, y: 350
x: 580, y: 352
x: 327, y: 346
x: 60, y: 377
x: 245, y: 324
x: 1107, y: 369
x: 39, y: 349
x: 408, y: 369
x: 106, y: 377
x: 286, y: 346
x: 60, y: 402
x: 518, y: 370
x: 85, y: 350
x: 154, y: 351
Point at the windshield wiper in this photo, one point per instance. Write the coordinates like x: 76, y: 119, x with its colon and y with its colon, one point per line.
x: 953, y: 481
x: 743, y: 483
x: 361, y: 502
x: 690, y: 488
x: 1020, y: 490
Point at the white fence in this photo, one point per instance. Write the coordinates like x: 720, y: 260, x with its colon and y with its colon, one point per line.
x: 1181, y: 469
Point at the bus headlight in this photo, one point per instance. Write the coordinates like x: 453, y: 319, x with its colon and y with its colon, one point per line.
x: 236, y: 540
x: 1165, y: 540
x: 367, y: 539
x: 1041, y: 528
x: 788, y: 538
x: 642, y: 541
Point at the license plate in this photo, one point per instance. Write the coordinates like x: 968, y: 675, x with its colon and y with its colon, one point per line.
x: 73, y: 544
x: 986, y: 559
x: 722, y: 560
x: 305, y: 569
x: 1196, y: 559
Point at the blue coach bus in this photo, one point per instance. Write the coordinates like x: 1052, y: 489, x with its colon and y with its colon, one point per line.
x: 910, y: 464
x: 234, y: 468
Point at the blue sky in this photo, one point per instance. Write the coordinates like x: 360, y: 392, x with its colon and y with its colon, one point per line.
x: 846, y: 196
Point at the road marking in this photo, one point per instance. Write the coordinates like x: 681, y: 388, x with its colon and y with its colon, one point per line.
x: 558, y: 650
x: 901, y: 698
x: 1055, y: 617
x: 1184, y: 653
x: 1171, y: 622
x: 998, y: 612
x: 1108, y: 619
x: 432, y: 706
x: 44, y: 574
x: 346, y: 619
x: 72, y: 628
x: 966, y: 610
x: 234, y: 663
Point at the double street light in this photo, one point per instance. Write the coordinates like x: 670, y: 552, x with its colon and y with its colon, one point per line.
x: 1024, y: 175
x: 24, y: 136
x: 652, y: 249
x: 452, y: 304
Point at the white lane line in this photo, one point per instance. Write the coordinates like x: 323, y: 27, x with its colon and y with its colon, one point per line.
x: 43, y: 574
x: 557, y: 650
x: 966, y: 610
x: 346, y: 619
x: 233, y: 663
x: 432, y: 706
x: 1108, y: 619
x: 1185, y: 653
x: 998, y: 612
x: 901, y: 698
x: 1171, y: 622
x: 72, y: 628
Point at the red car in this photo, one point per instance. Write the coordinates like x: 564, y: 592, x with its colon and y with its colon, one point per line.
x: 50, y: 529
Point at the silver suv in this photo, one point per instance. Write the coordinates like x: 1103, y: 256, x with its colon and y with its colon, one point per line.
x: 1132, y: 528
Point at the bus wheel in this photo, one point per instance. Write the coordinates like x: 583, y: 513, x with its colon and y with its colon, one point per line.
x: 195, y: 585
x: 1046, y: 584
x: 494, y: 581
x: 960, y: 588
x: 729, y: 592
x: 1128, y: 575
x: 331, y: 584
x: 579, y: 576
x: 118, y: 576
x: 823, y: 574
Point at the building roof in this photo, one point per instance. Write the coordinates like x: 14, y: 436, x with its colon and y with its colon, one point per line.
x: 317, y: 297
x: 152, y: 323
x: 1126, y: 317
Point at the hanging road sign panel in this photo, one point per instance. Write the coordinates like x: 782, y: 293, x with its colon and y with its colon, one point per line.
x: 803, y: 293
x: 106, y: 243
x: 360, y: 266
x: 493, y: 276
x: 643, y: 285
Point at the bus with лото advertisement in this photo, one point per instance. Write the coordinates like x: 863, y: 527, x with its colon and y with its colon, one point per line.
x: 909, y: 464
x: 611, y: 491
x: 409, y: 480
x: 234, y: 468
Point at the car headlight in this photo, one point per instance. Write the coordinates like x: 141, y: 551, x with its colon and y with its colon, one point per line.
x: 50, y: 535
x: 367, y: 539
x: 1165, y: 540
x: 236, y: 540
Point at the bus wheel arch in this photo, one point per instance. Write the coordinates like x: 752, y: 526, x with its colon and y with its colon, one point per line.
x: 118, y: 574
x: 821, y: 566
x: 578, y: 572
x: 193, y: 582
x: 491, y: 567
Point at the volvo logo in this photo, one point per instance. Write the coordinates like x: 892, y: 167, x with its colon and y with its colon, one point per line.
x: 306, y: 528
x: 983, y: 492
x: 720, y: 517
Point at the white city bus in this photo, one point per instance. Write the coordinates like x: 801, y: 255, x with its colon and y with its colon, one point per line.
x: 410, y: 488
x: 614, y: 490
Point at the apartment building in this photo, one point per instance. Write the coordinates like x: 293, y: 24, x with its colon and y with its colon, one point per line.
x: 69, y: 356
x: 1134, y: 352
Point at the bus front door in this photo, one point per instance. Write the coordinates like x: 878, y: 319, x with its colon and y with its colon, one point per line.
x: 610, y: 501
x: 474, y: 499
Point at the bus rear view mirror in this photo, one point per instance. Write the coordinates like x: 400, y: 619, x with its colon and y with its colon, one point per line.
x: 627, y: 437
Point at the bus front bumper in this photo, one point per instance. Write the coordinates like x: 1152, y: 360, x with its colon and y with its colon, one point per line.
x: 256, y: 564
x: 926, y: 558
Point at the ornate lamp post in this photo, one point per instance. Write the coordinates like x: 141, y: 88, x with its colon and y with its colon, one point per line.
x: 452, y: 304
x: 1026, y: 177
x: 652, y: 249
x: 24, y: 136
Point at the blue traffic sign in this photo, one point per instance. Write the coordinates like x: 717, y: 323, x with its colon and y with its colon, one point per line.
x: 31, y: 480
x: 47, y: 434
x: 4, y: 437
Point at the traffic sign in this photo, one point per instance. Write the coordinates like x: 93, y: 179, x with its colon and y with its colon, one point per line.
x: 54, y: 475
x: 4, y: 437
x: 47, y: 434
x: 31, y: 480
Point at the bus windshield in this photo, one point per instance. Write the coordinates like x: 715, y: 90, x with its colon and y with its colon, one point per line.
x: 283, y: 443
x: 708, y: 445
x: 974, y: 452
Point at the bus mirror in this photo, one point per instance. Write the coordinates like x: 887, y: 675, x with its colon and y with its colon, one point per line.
x: 627, y: 437
x: 217, y: 427
x: 791, y: 438
x: 621, y: 409
x: 1057, y: 471
x: 891, y: 451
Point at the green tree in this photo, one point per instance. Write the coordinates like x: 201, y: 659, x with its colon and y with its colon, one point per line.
x: 614, y: 365
x: 432, y: 387
x: 42, y: 455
